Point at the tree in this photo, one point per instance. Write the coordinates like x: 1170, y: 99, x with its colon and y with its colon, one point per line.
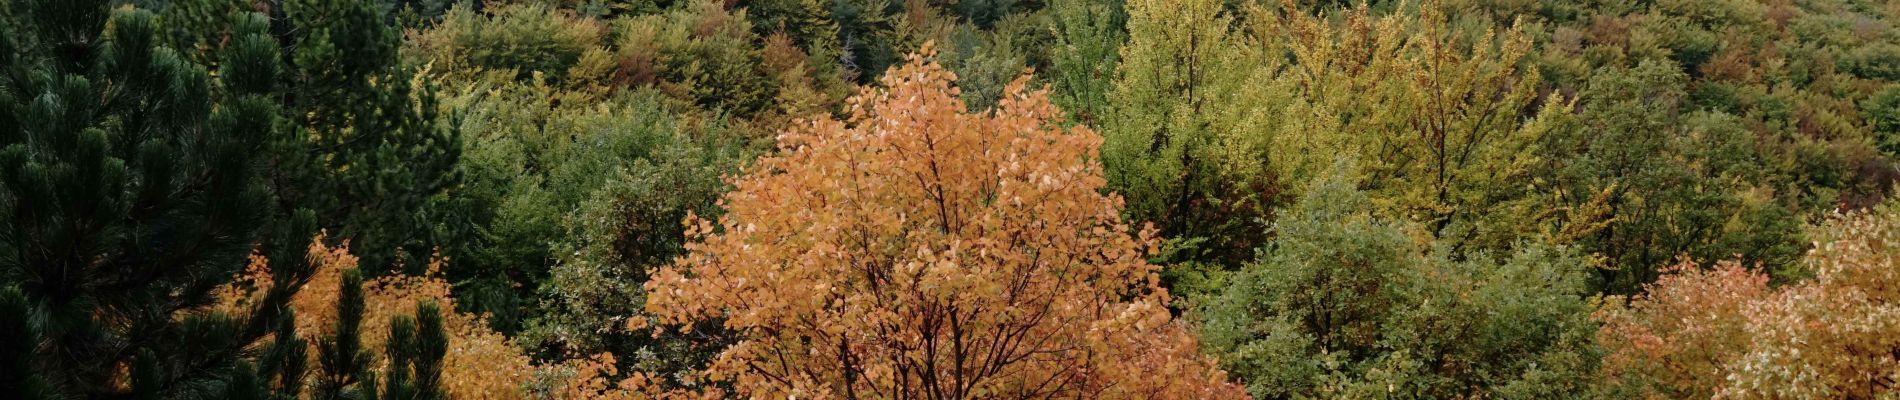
x: 1675, y: 339
x: 415, y: 349
x: 922, y: 250
x: 340, y: 352
x: 1434, y: 105
x: 807, y: 23
x: 867, y: 36
x: 1882, y: 112
x: 1344, y: 304
x: 1671, y: 181
x: 132, y: 186
x: 627, y: 188
x: 984, y: 62
x: 1178, y: 89
x: 1791, y: 73
x: 371, y: 160
x: 442, y: 353
x: 706, y: 53
x: 530, y: 40
x: 1089, y: 38
x: 1722, y: 331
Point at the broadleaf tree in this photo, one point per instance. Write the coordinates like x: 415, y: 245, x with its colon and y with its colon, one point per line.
x: 1345, y: 304
x: 919, y: 249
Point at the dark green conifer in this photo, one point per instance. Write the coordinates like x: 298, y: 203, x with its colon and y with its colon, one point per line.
x: 371, y: 158
x: 131, y: 188
x: 340, y: 354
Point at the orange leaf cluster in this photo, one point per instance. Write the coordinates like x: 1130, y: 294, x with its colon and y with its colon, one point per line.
x: 920, y: 250
x: 1676, y: 338
x: 1724, y: 333
x: 592, y: 378
x: 480, y: 364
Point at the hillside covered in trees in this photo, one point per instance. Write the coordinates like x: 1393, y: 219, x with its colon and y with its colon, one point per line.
x: 949, y: 199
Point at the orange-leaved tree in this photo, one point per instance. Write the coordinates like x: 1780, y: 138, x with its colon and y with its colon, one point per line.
x: 919, y: 250
x: 1674, y: 341
x: 1726, y: 333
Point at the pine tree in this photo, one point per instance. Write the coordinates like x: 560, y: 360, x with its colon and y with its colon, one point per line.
x: 18, y: 342
x: 340, y: 355
x: 372, y: 159
x: 131, y: 187
x: 415, y: 349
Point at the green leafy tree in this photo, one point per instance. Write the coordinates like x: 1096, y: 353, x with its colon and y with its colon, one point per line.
x: 530, y: 40
x: 133, y: 185
x: 1089, y: 37
x: 1174, y: 95
x: 1344, y: 304
x: 708, y: 55
x: 1791, y: 73
x: 1434, y: 104
x: 1882, y: 112
x: 1670, y: 181
x: 615, y: 202
x: 634, y: 132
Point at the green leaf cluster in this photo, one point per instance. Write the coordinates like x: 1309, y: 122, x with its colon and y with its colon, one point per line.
x: 1345, y: 304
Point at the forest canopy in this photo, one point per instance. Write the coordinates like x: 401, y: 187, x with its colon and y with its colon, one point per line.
x: 1114, y: 199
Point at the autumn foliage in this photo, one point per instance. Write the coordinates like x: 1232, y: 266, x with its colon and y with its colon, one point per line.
x: 921, y: 250
x: 1724, y: 332
x: 480, y: 363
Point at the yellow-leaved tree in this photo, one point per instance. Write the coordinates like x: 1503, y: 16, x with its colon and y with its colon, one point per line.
x: 1434, y: 106
x: 919, y: 250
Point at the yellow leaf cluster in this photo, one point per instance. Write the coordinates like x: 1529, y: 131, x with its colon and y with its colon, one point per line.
x: 1433, y: 109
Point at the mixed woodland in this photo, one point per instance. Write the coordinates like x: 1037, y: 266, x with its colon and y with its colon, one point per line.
x: 949, y: 199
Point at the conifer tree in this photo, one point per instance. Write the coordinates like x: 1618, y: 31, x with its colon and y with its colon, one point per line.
x: 340, y: 353
x: 131, y: 187
x: 867, y: 36
x: 415, y: 349
x: 1882, y: 112
x: 372, y: 158
x: 807, y: 22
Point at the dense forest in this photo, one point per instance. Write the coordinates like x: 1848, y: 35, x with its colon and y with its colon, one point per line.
x: 949, y: 199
